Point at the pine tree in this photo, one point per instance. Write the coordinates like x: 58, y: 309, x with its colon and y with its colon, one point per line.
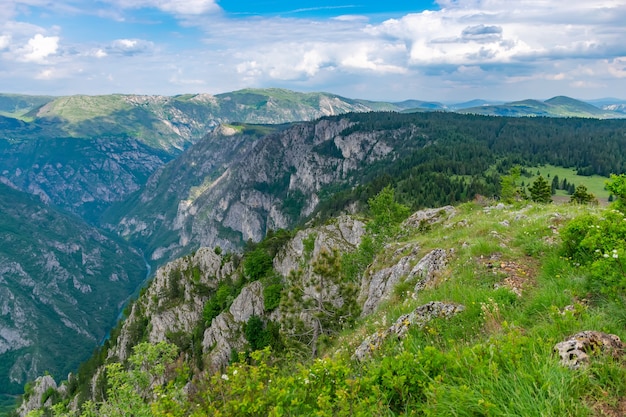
x: 509, y: 191
x: 582, y: 196
x: 555, y: 184
x: 540, y: 191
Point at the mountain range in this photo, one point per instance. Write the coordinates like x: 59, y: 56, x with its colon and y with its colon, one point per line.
x: 90, y: 185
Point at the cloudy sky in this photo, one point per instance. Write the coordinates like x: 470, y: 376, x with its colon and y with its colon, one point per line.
x: 445, y: 50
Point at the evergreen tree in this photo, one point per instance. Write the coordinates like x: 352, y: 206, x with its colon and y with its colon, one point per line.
x: 555, y: 184
x: 582, y: 196
x: 540, y: 191
x: 509, y: 191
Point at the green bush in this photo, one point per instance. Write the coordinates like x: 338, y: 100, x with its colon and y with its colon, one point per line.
x: 600, y: 244
x: 272, y: 295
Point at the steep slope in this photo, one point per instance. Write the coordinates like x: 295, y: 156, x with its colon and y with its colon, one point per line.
x: 82, y: 176
x: 241, y: 181
x: 125, y: 138
x: 17, y: 105
x: 62, y: 284
x: 265, y: 184
x: 466, y: 304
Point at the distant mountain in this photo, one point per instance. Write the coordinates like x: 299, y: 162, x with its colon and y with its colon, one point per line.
x: 83, y: 153
x: 473, y: 103
x: 560, y: 106
x: 611, y: 104
x: 418, y: 105
x: 242, y: 180
x: 17, y: 105
x: 62, y: 284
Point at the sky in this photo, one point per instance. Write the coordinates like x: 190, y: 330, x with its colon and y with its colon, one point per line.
x: 444, y: 50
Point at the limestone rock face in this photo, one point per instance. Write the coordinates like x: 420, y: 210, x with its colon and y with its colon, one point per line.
x: 418, y: 318
x: 378, y: 286
x: 225, y: 332
x: 344, y: 235
x: 574, y: 351
x: 429, y: 216
x: 249, y: 303
x: 250, y: 184
x: 174, y: 302
x: 426, y: 269
x: 40, y: 386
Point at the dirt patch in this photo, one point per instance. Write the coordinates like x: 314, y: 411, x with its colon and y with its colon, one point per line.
x: 601, y: 409
x: 517, y: 277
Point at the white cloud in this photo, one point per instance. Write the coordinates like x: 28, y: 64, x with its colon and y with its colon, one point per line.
x: 39, y: 48
x: 468, y: 46
x: 5, y: 41
x: 127, y: 47
x: 177, y: 7
x: 617, y: 67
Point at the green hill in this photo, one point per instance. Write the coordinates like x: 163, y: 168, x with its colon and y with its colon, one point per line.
x: 555, y: 107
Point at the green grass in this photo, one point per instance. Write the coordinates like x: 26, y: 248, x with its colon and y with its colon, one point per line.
x: 594, y: 183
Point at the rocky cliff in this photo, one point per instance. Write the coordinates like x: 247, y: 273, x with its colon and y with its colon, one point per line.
x: 252, y: 183
x: 61, y: 281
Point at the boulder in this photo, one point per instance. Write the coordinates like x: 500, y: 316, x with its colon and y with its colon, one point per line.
x: 575, y: 351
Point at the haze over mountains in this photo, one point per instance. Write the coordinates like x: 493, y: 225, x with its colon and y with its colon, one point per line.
x: 94, y: 187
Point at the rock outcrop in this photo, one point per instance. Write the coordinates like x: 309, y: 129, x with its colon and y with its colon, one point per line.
x: 575, y: 351
x: 378, y: 286
x: 429, y: 217
x: 418, y: 318
x: 225, y: 334
x: 39, y: 395
x: 174, y: 301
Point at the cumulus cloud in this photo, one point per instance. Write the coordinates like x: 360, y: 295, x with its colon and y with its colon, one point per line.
x: 466, y: 44
x: 39, y: 48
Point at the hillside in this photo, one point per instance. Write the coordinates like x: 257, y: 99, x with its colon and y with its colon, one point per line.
x: 239, y: 182
x: 83, y: 153
x: 61, y: 281
x: 478, y: 298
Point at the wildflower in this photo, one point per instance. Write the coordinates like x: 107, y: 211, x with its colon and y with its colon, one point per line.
x: 606, y: 255
x: 615, y: 255
x: 235, y: 372
x: 225, y: 377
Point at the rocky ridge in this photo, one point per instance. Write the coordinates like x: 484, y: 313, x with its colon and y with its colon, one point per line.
x: 253, y: 185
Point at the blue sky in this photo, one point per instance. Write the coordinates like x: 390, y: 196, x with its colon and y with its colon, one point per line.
x: 445, y: 50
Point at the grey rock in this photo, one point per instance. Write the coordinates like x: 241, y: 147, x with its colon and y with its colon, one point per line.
x: 418, y: 318
x: 575, y: 351
x: 248, y: 303
x: 377, y: 287
x: 429, y: 216
x: 428, y: 267
x: 34, y: 402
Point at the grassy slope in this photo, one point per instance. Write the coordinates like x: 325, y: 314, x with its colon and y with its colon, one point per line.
x: 523, y: 328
